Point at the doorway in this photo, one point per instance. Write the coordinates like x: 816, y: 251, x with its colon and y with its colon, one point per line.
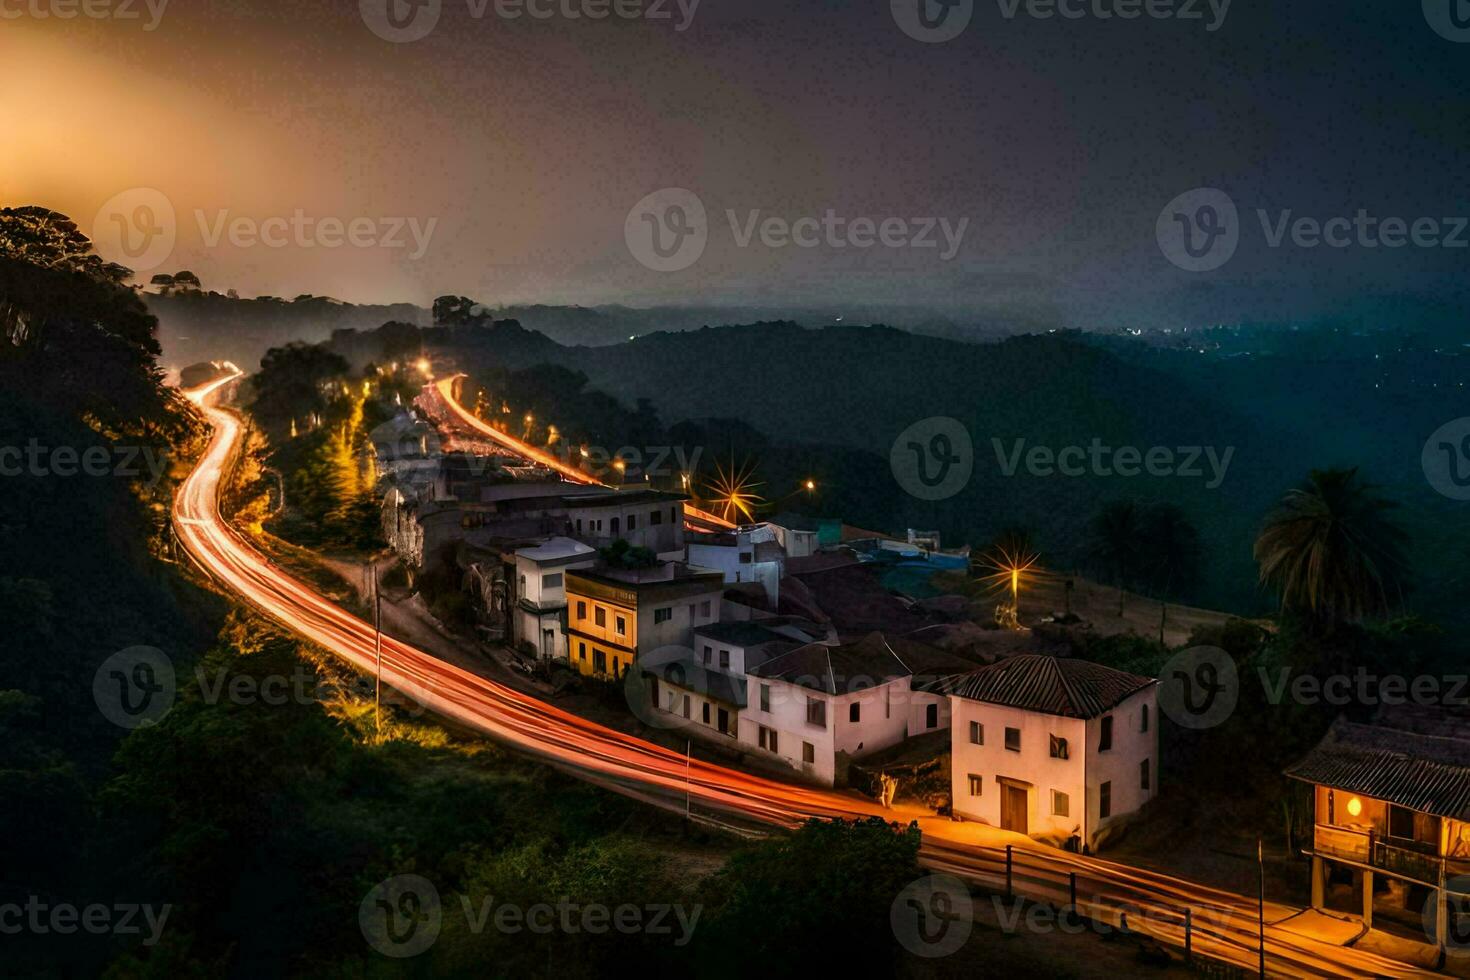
x: 1013, y: 808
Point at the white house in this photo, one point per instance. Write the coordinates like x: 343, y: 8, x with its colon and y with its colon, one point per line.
x: 821, y: 705
x: 1053, y: 746
x: 541, y: 598
x: 745, y: 554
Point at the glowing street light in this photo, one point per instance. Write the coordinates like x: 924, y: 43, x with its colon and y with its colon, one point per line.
x: 811, y: 484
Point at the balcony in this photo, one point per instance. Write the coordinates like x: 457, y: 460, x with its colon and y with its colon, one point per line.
x: 1406, y: 859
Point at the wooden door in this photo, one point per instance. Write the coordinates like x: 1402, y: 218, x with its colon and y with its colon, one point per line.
x: 1013, y: 808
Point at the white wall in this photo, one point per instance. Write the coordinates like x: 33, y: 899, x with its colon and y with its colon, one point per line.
x: 1080, y: 776
x: 1120, y: 764
x: 1033, y: 764
x: 883, y: 720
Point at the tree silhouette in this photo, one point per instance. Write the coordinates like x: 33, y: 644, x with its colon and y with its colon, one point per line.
x: 1331, y: 549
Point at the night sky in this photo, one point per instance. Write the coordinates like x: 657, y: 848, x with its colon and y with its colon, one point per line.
x: 527, y: 142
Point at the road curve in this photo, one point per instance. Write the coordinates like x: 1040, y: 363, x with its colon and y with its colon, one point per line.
x: 1225, y: 923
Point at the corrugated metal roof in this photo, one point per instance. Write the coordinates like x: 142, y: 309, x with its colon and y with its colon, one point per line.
x: 1428, y: 773
x: 1051, y: 685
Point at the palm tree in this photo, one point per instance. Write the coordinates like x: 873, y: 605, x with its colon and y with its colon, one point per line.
x: 1332, y: 550
x: 1114, y: 542
x: 1172, y: 551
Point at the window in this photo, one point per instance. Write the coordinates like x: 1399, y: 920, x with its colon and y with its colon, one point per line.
x: 816, y: 712
x: 704, y: 608
x: 686, y: 706
x: 705, y: 709
x: 552, y: 581
x: 765, y: 697
x: 724, y: 659
x: 708, y: 651
x: 522, y: 584
x: 977, y: 783
x: 1405, y: 824
x: 808, y: 753
x: 1058, y: 747
x: 1143, y: 721
x: 663, y: 615
x: 655, y: 517
x: 1105, y: 800
x: 632, y: 522
x: 931, y: 716
x: 582, y: 652
x: 1059, y: 803
x: 977, y: 733
x: 854, y: 712
x: 614, y: 522
x: 1105, y: 740
x: 579, y: 526
x: 674, y: 514
x: 745, y: 558
x: 724, y: 722
x: 599, y: 616
x: 766, y: 738
x: 599, y: 661
x: 1013, y: 740
x: 581, y: 610
x: 1143, y: 774
x: 622, y: 626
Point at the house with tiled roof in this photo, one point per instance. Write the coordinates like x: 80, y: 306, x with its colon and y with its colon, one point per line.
x: 1053, y: 747
x: 1391, y: 827
x: 821, y: 705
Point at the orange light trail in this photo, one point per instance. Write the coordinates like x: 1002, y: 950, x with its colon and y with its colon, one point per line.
x: 1225, y: 922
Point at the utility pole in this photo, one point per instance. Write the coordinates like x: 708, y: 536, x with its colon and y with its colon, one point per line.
x: 378, y: 652
x: 1261, y: 902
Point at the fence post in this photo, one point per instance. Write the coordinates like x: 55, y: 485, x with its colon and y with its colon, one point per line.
x: 1009, y: 892
x: 1189, y: 935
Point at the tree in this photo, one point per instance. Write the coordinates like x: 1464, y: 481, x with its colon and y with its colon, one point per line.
x: 1115, y: 542
x: 1171, y: 555
x: 1332, y: 550
x: 290, y: 382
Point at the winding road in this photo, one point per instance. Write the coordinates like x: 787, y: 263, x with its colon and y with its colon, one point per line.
x: 1224, y: 924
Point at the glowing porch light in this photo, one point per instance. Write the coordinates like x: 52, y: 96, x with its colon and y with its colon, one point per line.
x: 1355, y: 807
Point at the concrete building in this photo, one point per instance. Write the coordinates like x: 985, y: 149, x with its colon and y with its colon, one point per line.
x: 541, y: 599
x: 651, y: 519
x: 616, y: 616
x: 1053, y: 746
x: 1391, y: 828
x: 819, y: 706
x: 743, y: 555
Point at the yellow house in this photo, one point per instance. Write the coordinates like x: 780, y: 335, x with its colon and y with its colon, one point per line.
x: 614, y: 614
